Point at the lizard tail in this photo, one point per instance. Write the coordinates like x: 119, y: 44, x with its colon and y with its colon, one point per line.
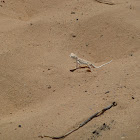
x: 101, y: 65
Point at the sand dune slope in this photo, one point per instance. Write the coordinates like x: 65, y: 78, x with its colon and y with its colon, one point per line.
x: 38, y: 92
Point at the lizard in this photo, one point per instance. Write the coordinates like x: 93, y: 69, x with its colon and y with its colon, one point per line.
x: 85, y: 62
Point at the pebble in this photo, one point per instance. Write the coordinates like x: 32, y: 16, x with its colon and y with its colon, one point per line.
x: 72, y: 12
x: 107, y: 92
x: 73, y: 35
x: 49, y: 87
x: 133, y: 97
x: 19, y: 125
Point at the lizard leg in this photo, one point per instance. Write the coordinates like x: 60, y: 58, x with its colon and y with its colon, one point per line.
x: 90, y: 68
x: 93, y: 66
x: 77, y: 64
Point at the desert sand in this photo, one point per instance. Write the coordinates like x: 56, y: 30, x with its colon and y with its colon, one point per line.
x: 39, y: 95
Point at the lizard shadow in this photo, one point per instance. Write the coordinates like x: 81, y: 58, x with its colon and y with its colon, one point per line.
x: 72, y: 70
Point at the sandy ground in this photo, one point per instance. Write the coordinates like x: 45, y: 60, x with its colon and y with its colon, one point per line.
x: 39, y: 95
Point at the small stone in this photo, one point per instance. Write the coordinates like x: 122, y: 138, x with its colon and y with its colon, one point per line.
x: 133, y: 97
x: 104, y: 124
x: 112, y: 121
x: 94, y: 132
x: 101, y: 35
x: 73, y: 35
x: 107, y: 92
x: 72, y: 12
x: 49, y: 87
x: 85, y: 90
x: 19, y: 125
x: 40, y: 136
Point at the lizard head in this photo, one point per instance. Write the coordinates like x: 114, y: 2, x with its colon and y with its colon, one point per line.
x: 72, y: 55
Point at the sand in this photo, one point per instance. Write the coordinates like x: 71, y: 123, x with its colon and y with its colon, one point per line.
x: 39, y: 95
